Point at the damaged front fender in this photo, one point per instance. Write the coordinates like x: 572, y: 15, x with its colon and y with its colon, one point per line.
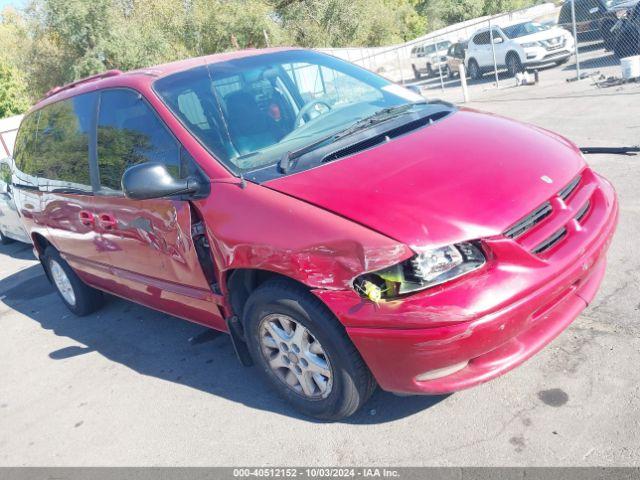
x: 258, y: 228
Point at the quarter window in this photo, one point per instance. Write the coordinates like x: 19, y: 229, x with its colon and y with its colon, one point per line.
x: 129, y: 133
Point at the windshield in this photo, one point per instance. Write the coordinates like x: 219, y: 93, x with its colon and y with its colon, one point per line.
x: 614, y: 3
x: 522, y: 29
x: 249, y: 112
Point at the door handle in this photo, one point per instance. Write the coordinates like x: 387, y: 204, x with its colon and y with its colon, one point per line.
x: 107, y: 221
x: 87, y: 218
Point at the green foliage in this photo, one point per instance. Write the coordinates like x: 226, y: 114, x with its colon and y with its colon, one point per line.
x: 57, y: 41
x: 13, y: 93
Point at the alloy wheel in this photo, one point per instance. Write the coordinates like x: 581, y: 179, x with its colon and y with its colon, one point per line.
x: 62, y: 282
x: 295, y: 356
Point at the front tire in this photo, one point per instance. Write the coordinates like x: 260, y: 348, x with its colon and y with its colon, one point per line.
x: 474, y: 70
x: 514, y: 65
x: 80, y: 298
x: 304, y: 352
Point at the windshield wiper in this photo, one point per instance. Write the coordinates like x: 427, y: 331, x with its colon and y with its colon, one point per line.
x: 376, y: 118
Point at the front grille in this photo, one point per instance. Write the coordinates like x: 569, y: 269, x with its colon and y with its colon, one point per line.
x: 583, y: 211
x: 551, y: 241
x: 529, y: 221
x: 533, y: 232
x: 554, y: 43
x: 566, y: 192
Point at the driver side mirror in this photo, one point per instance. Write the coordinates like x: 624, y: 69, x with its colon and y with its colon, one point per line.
x: 153, y: 180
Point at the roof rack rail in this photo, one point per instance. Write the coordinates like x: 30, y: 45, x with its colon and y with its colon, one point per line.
x: 97, y: 76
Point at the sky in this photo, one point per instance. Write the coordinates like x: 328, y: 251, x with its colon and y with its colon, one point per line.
x: 14, y: 3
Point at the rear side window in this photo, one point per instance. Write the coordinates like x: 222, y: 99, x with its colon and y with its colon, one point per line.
x: 129, y: 133
x: 53, y: 145
x: 483, y: 38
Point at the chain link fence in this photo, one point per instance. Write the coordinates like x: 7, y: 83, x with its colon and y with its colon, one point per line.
x: 574, y: 40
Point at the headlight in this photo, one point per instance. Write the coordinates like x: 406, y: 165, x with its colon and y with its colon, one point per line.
x: 426, y: 269
x: 530, y: 44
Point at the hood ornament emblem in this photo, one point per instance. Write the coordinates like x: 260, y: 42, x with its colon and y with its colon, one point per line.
x: 546, y: 179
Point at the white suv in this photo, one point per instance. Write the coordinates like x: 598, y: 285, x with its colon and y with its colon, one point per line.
x: 518, y: 47
x: 429, y: 59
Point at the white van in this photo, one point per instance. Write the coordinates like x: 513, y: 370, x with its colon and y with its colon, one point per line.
x: 8, y: 130
x: 10, y: 223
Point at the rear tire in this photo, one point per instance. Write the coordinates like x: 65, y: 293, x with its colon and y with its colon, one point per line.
x: 79, y: 297
x: 337, y: 382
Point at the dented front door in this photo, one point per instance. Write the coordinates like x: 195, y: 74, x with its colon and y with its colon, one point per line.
x: 152, y: 256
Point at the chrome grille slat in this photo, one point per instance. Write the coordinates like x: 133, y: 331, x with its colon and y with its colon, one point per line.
x: 568, y: 190
x: 583, y: 211
x: 551, y: 241
x: 529, y: 221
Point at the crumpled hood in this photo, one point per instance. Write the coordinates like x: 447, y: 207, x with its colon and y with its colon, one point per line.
x: 468, y: 176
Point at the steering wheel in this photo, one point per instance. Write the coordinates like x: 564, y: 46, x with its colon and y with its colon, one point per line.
x: 307, y: 108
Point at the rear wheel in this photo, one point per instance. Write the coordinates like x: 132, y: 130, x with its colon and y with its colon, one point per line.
x: 474, y: 70
x: 514, y: 65
x: 80, y: 298
x: 304, y: 352
x: 430, y: 71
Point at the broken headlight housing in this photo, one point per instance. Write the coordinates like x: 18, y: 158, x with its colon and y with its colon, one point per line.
x: 428, y: 268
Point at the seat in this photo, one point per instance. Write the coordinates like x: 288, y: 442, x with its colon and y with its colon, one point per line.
x: 248, y: 124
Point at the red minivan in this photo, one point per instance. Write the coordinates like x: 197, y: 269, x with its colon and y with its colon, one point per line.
x: 345, y: 232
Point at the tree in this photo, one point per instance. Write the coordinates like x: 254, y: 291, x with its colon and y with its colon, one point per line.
x: 13, y: 92
x: 339, y: 23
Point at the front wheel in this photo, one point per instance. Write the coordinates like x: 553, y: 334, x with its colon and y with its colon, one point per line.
x: 80, y: 298
x: 474, y: 70
x: 514, y: 66
x: 304, y: 352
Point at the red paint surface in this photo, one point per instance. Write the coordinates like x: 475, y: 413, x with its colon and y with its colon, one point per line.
x: 467, y: 177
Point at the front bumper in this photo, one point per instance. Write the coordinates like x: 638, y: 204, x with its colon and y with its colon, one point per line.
x: 541, y: 56
x: 490, y: 322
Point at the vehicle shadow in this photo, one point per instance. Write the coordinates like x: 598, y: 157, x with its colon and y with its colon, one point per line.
x: 159, y: 345
x: 609, y: 60
x: 17, y: 250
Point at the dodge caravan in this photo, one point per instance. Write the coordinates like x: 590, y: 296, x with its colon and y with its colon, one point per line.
x: 345, y: 232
